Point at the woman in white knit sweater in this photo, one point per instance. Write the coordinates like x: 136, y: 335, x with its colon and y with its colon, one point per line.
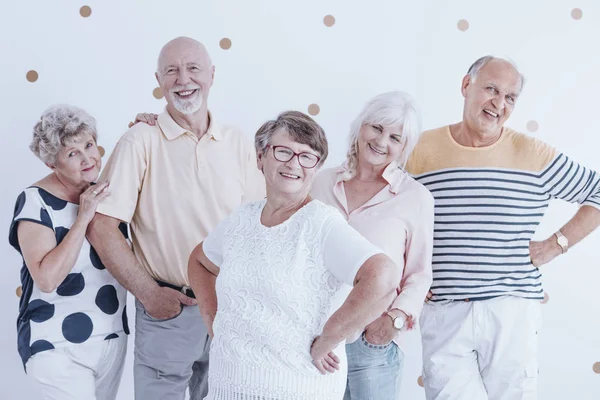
x: 284, y: 282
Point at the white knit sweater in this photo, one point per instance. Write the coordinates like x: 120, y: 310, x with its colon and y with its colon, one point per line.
x: 276, y: 289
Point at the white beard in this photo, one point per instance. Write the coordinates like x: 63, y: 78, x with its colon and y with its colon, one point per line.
x: 186, y: 106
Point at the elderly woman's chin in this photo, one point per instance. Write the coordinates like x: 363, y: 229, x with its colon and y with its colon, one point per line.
x: 292, y: 185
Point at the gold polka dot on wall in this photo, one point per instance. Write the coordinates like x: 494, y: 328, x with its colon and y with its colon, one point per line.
x: 32, y: 76
x: 19, y: 291
x: 546, y: 298
x: 157, y: 93
x: 596, y: 367
x: 532, y: 126
x: 101, y: 151
x: 420, y: 382
x: 314, y: 109
x: 576, y: 13
x: 329, y: 20
x: 225, y: 43
x: 85, y: 11
x: 462, y: 25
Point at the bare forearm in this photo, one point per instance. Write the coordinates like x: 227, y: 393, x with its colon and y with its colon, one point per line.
x: 203, y: 283
x: 370, y: 297
x: 59, y: 262
x: 117, y: 257
x: 584, y: 222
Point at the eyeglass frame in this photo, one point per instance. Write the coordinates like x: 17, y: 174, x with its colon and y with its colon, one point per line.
x: 294, y: 154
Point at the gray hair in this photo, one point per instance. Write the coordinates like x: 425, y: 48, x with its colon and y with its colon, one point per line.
x: 302, y: 128
x: 58, y: 124
x: 481, y: 62
x: 387, y: 109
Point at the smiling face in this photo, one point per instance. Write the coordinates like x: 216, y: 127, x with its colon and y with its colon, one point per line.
x: 379, y: 145
x: 490, y: 97
x: 185, y: 75
x: 287, y: 178
x: 78, y: 162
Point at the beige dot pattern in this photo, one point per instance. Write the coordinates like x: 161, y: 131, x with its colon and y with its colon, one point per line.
x: 85, y: 11
x: 420, y: 382
x: 32, y: 76
x: 314, y: 109
x: 329, y: 20
x: 532, y: 126
x: 546, y: 298
x: 157, y: 93
x: 225, y: 43
x: 576, y: 13
x: 19, y: 291
x: 462, y: 25
x: 101, y: 151
x: 596, y: 367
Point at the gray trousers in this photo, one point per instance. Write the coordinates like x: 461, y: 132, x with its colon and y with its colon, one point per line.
x: 170, y: 355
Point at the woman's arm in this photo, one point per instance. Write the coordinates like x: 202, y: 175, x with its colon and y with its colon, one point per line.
x: 48, y: 263
x: 202, y: 274
x: 374, y: 290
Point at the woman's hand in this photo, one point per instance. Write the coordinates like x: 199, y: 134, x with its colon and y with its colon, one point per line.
x: 89, y: 200
x: 381, y: 331
x: 323, y: 357
x: 147, y: 118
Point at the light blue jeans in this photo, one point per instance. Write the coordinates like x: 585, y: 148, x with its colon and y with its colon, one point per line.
x: 374, y: 371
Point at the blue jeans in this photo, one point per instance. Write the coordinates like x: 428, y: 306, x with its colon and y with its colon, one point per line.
x: 374, y: 371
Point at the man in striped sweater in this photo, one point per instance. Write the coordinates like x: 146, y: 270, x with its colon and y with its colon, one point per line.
x: 492, y: 186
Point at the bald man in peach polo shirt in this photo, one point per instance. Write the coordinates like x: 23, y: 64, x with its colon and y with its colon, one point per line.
x: 173, y: 182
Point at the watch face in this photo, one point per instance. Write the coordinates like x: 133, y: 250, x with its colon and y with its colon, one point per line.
x: 563, y: 241
x: 398, y: 323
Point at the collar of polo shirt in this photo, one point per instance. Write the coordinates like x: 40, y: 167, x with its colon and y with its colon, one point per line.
x: 172, y: 130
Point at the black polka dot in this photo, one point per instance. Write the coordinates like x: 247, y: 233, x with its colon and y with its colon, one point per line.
x: 72, y: 285
x: 111, y: 336
x: 51, y: 200
x: 96, y: 259
x: 107, y: 299
x: 60, y: 232
x: 45, y: 218
x: 123, y: 229
x: 125, y: 321
x: 19, y: 204
x: 77, y: 328
x: 41, y: 345
x: 40, y: 310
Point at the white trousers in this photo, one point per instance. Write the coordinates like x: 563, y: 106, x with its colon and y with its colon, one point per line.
x: 83, y: 372
x: 481, y: 350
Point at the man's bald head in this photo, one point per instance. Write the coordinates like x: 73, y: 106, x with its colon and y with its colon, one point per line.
x: 179, y: 46
x: 185, y: 74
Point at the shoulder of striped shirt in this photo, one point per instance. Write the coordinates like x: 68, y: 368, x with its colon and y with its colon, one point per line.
x: 528, y: 153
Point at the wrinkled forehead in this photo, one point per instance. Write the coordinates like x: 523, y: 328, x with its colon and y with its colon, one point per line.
x: 77, y: 140
x: 501, y: 74
x: 183, y: 53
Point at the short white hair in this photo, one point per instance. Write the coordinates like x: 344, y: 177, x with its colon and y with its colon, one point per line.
x: 387, y: 109
x: 474, y: 69
x: 58, y: 124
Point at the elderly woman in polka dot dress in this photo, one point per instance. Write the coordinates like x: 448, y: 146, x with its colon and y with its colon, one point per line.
x: 72, y: 322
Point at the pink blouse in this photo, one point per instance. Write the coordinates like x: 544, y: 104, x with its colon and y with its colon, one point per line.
x: 398, y: 220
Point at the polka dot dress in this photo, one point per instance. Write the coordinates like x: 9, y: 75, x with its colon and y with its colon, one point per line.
x: 88, y: 305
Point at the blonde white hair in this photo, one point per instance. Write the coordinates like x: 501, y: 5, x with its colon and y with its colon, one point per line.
x: 387, y: 109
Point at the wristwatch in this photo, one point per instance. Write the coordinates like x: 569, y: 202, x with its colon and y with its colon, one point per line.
x: 562, y: 241
x: 398, y: 321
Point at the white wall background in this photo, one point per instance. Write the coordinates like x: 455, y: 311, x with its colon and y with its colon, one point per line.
x: 284, y: 57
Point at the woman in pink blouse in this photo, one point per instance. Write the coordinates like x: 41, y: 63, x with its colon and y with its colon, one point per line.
x: 389, y: 208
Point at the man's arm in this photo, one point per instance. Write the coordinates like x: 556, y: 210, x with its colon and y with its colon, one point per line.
x: 584, y: 222
x: 104, y: 235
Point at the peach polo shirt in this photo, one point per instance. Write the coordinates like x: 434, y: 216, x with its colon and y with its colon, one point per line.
x: 173, y: 189
x: 398, y: 220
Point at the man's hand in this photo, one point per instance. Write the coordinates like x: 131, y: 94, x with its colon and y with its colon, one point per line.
x: 165, y: 303
x: 543, y: 252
